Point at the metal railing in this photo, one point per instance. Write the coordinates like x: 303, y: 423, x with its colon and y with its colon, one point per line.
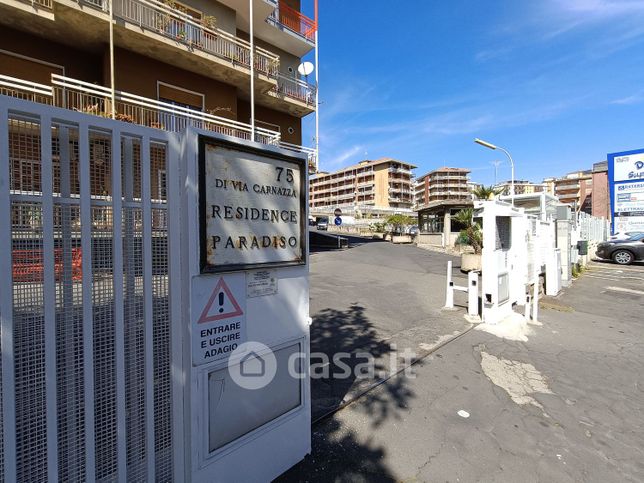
x: 311, y: 153
x: 94, y: 99
x: 40, y: 3
x: 181, y: 27
x: 295, y: 89
x: 22, y: 89
x: 294, y: 21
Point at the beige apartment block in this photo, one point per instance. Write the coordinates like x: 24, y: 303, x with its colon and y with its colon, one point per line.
x: 521, y: 187
x: 575, y: 189
x: 378, y: 186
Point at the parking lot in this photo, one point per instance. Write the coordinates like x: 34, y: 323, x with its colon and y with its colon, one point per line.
x: 562, y: 402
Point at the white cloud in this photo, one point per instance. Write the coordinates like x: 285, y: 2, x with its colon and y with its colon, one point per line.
x: 630, y: 100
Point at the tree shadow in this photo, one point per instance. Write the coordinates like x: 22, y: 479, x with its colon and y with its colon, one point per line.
x: 362, y: 361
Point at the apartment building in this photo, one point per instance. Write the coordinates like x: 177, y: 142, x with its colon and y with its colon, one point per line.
x: 378, y: 186
x: 521, y: 187
x: 441, y: 185
x: 601, y: 202
x: 170, y: 64
x: 574, y: 188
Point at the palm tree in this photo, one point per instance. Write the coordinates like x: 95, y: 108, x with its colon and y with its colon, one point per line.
x: 472, y: 231
x: 486, y: 192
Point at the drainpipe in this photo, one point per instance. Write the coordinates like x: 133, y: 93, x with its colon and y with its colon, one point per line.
x: 317, y: 92
x: 113, y: 90
x: 252, y: 72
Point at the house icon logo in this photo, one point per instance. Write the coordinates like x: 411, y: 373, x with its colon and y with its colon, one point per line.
x: 252, y: 365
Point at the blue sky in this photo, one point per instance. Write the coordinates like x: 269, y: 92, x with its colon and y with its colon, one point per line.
x: 559, y: 83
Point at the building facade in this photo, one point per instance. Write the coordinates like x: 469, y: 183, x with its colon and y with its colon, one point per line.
x: 575, y: 189
x: 165, y: 65
x: 601, y: 206
x: 521, y: 187
x: 442, y: 184
x: 381, y: 186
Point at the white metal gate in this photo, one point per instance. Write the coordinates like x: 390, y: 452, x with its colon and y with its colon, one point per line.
x: 90, y: 358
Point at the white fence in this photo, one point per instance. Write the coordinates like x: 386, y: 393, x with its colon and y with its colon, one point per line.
x: 89, y: 350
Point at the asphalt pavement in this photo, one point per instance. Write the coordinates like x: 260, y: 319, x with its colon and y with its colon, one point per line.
x: 564, y: 401
x: 373, y: 301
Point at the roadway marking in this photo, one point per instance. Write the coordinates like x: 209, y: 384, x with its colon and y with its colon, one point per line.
x: 627, y: 290
x: 616, y: 268
x: 612, y: 277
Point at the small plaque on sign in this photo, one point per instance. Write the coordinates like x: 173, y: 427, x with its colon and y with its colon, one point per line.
x: 262, y: 282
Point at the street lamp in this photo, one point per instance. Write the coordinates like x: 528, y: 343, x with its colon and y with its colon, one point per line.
x: 492, y: 146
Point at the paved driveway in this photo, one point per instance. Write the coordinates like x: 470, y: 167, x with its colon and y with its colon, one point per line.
x: 564, y: 403
x: 375, y: 298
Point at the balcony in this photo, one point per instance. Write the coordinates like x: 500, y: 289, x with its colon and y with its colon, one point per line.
x: 294, y: 21
x: 157, y: 30
x: 276, y: 23
x: 300, y: 93
x: 153, y: 29
x: 84, y: 97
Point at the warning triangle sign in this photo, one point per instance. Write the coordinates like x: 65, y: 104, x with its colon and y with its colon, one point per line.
x: 221, y: 305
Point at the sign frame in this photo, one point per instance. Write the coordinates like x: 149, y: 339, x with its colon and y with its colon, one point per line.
x: 298, y: 161
x: 613, y: 184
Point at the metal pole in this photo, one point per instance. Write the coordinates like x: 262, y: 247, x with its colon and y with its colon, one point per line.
x: 512, y: 166
x: 317, y: 92
x: 252, y: 72
x: 112, y: 86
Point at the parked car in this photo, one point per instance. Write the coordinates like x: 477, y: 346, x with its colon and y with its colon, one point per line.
x: 623, y: 252
x: 413, y: 230
x: 323, y: 224
x: 623, y: 235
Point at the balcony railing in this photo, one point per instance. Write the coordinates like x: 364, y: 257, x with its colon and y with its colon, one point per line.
x: 310, y: 153
x: 295, y: 89
x: 180, y: 27
x: 39, y: 3
x: 89, y: 98
x: 94, y: 99
x: 291, y: 19
x: 22, y: 89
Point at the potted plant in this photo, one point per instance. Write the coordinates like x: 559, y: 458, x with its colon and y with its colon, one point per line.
x: 209, y: 21
x: 398, y: 223
x: 472, y: 235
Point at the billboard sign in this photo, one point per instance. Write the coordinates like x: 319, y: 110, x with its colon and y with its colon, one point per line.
x: 626, y: 182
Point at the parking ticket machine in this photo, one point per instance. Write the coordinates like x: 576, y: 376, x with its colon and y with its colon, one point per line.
x: 246, y: 309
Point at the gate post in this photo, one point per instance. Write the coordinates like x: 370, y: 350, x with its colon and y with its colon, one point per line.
x: 449, y: 288
x: 246, y: 312
x: 473, y: 293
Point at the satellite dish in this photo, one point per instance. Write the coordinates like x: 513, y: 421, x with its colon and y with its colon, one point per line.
x: 305, y: 68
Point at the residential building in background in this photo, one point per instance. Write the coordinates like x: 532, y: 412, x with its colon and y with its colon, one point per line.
x: 575, y: 189
x: 175, y: 64
x: 521, y: 187
x: 440, y: 195
x: 371, y: 187
x: 442, y: 184
x: 601, y: 192
x: 472, y: 186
